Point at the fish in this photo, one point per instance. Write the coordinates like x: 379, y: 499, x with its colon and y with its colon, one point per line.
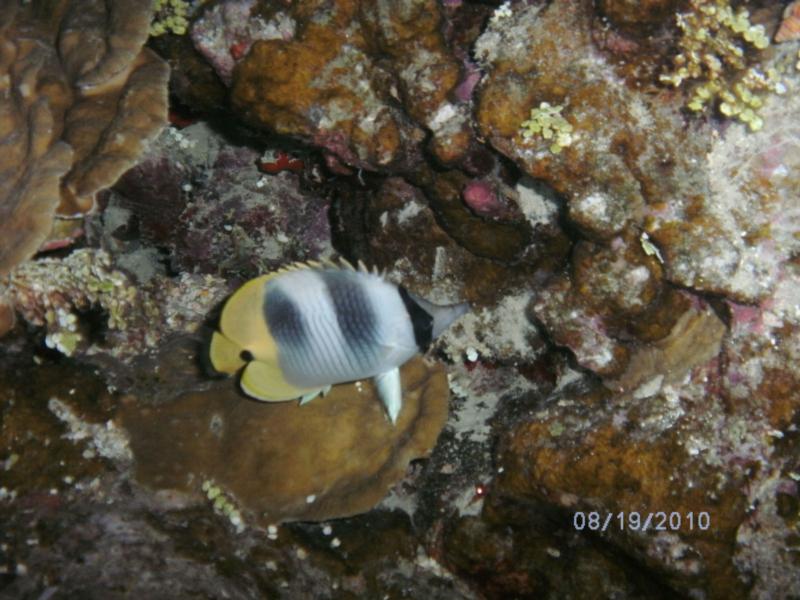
x: 295, y: 332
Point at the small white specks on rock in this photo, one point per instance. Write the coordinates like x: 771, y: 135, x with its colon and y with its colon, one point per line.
x: 336, y: 542
x: 186, y: 187
x: 472, y: 354
x: 311, y: 498
x: 10, y: 461
x: 553, y: 552
x: 327, y: 530
x: 501, y: 12
x: 272, y: 532
x: 105, y: 439
x: 538, y: 209
x: 301, y: 554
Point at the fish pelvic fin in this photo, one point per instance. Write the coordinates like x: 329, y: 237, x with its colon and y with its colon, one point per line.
x: 264, y: 381
x: 390, y: 392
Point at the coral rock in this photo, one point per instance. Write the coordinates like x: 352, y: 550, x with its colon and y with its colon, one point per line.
x: 637, y: 17
x: 225, y: 32
x: 733, y: 236
x: 363, y: 83
x: 334, y: 457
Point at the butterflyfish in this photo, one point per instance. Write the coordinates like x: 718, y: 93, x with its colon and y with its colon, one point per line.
x: 295, y: 332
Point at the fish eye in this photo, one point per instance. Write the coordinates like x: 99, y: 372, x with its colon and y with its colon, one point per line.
x: 246, y: 355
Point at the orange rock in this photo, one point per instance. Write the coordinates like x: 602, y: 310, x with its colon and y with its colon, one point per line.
x: 362, y: 82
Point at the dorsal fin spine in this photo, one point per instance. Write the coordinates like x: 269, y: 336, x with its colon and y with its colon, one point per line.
x: 326, y: 263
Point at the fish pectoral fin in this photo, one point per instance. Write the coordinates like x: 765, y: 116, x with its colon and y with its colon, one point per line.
x: 306, y: 398
x: 225, y: 355
x: 265, y: 381
x: 390, y: 391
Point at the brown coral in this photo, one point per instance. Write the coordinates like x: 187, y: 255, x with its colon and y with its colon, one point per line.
x: 361, y: 81
x: 80, y: 98
x: 333, y: 457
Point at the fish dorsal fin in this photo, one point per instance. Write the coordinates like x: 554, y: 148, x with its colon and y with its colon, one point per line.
x: 329, y: 264
x: 326, y: 263
x: 346, y: 264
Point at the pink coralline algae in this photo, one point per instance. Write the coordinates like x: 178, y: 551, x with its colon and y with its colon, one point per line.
x: 481, y: 197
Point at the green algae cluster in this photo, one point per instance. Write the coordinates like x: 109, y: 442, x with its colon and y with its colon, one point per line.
x: 712, y: 52
x: 171, y: 16
x: 546, y: 122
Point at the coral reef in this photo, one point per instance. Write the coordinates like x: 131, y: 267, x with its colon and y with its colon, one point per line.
x: 224, y: 32
x: 87, y: 97
x: 616, y: 416
x: 90, y: 530
x: 734, y: 236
